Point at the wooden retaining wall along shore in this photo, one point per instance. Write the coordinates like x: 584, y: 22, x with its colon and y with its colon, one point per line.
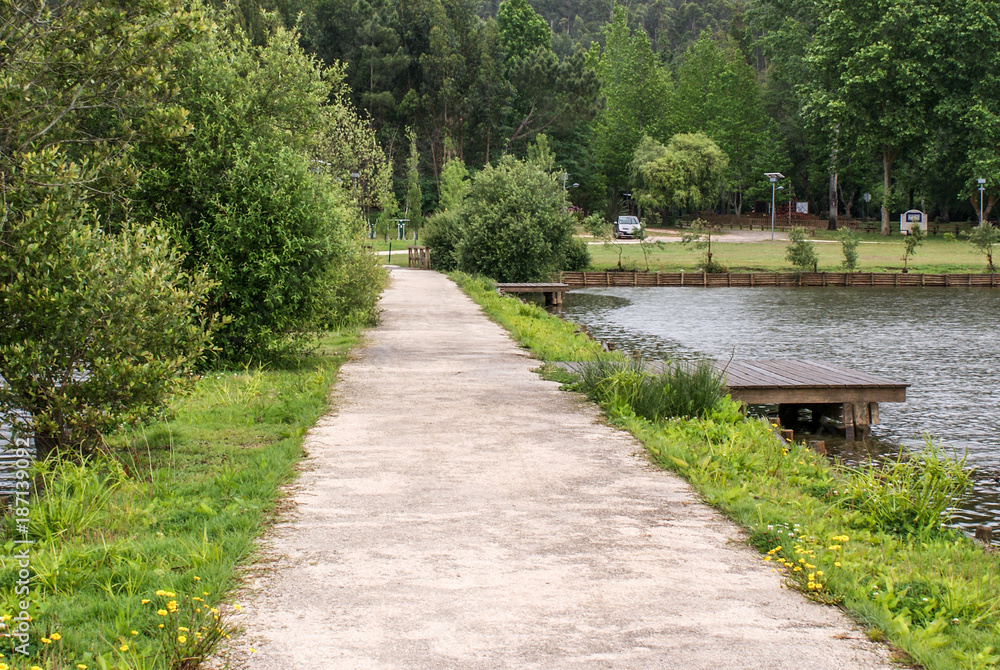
x: 705, y: 279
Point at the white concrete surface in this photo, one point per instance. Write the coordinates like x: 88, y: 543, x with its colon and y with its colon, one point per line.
x: 460, y: 512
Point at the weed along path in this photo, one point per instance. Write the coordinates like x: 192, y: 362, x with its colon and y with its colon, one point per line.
x: 460, y: 512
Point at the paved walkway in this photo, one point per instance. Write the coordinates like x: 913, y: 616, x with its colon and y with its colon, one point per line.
x: 460, y: 512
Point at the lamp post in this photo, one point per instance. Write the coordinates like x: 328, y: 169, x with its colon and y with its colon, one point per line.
x: 774, y: 177
x: 982, y: 187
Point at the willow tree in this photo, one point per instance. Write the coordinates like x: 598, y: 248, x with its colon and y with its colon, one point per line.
x: 689, y: 172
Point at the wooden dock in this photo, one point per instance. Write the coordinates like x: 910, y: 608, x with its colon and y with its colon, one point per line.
x: 813, y: 392
x: 553, y: 291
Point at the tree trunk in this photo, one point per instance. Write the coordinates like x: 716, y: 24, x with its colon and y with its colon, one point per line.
x: 44, y: 445
x: 887, y: 159
x: 832, y: 222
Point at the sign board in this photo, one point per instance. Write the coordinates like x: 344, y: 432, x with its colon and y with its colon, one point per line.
x: 911, y: 219
x: 801, y: 207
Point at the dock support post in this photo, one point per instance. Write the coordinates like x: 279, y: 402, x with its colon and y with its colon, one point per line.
x: 862, y: 420
x: 849, y: 421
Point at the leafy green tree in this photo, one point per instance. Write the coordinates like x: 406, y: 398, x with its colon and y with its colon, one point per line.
x: 98, y: 323
x: 454, y: 185
x: 849, y: 246
x: 801, y: 252
x: 699, y: 236
x: 242, y: 193
x: 414, y: 197
x: 689, y: 172
x: 517, y: 229
x: 870, y: 78
x: 636, y: 99
x: 522, y: 30
x: 717, y: 94
x: 910, y: 244
x: 984, y: 238
x: 96, y: 328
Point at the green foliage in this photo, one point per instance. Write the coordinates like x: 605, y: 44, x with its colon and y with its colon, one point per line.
x: 516, y: 228
x: 801, y: 252
x: 984, y: 237
x: 849, y: 245
x: 443, y: 234
x: 629, y: 388
x: 699, y: 236
x: 911, y: 242
x: 245, y: 199
x: 454, y: 185
x: 96, y: 328
x: 521, y: 29
x: 636, y: 93
x: 577, y: 255
x: 911, y: 494
x: 414, y: 197
x: 172, y: 506
x: 689, y: 172
x: 549, y: 337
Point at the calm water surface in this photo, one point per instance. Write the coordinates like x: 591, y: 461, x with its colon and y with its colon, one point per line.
x: 944, y: 342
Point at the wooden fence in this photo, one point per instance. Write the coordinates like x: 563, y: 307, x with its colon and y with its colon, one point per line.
x: 705, y: 279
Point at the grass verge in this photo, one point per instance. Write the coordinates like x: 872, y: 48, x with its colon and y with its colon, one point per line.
x: 136, y: 550
x: 870, y: 541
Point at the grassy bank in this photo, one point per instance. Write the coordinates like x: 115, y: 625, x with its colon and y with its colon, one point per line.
x: 875, y: 254
x: 136, y: 551
x: 869, y: 541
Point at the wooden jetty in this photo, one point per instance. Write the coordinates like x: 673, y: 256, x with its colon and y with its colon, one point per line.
x: 553, y: 291
x: 827, y: 394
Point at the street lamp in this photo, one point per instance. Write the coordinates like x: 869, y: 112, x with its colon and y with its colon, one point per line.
x: 982, y: 187
x: 774, y: 177
x: 565, y: 177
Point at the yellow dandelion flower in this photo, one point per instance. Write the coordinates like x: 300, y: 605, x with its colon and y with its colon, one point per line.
x: 3, y: 666
x: 160, y: 626
x: 46, y: 640
x: 237, y: 608
x: 204, y: 593
x: 135, y: 632
x: 197, y: 579
x: 161, y: 592
x: 172, y: 605
x: 182, y: 638
x: 197, y: 599
x: 81, y: 666
x: 145, y: 601
x: 767, y: 558
x: 252, y: 650
x: 55, y: 636
x: 124, y: 647
x: 34, y: 667
x: 162, y: 612
x: 798, y: 569
x: 837, y: 563
x: 819, y: 572
x: 182, y: 628
x: 198, y: 610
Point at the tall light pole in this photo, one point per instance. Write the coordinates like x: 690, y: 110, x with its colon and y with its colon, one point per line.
x: 982, y: 187
x: 774, y: 177
x: 566, y: 188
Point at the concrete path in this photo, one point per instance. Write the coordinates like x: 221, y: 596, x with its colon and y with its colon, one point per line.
x: 459, y: 512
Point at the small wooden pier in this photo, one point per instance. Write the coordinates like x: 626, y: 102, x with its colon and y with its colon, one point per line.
x: 553, y: 292
x: 828, y: 395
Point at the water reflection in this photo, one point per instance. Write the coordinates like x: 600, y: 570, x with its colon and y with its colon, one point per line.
x: 942, y: 341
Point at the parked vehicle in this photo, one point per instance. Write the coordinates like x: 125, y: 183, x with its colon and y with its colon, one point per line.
x: 627, y: 227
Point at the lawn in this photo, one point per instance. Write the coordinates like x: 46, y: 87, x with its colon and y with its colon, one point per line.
x: 875, y: 254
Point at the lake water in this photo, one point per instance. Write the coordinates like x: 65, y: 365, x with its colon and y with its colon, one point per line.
x: 944, y: 342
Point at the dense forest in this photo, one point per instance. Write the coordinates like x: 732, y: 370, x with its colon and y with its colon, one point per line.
x: 883, y: 97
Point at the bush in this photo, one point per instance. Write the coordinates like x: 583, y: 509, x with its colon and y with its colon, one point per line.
x: 442, y: 236
x: 97, y: 328
x: 516, y: 228
x: 801, y: 252
x: 577, y: 255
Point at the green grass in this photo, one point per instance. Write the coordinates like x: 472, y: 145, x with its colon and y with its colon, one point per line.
x: 875, y: 254
x: 550, y: 339
x: 175, y: 506
x: 867, y: 540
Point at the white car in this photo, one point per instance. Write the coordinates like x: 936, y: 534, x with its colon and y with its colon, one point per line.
x: 627, y: 226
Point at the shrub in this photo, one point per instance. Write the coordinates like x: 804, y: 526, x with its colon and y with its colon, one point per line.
x: 96, y: 328
x: 442, y: 236
x: 516, y: 228
x: 849, y: 245
x: 801, y: 252
x: 577, y: 255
